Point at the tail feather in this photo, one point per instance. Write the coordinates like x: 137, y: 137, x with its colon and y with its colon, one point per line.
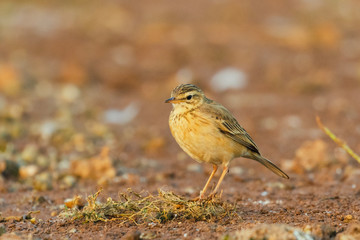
x: 267, y: 163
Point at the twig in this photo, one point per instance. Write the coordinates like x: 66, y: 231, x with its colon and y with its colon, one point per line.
x: 338, y: 141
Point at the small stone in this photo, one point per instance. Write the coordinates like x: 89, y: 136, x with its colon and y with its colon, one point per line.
x: 11, y: 169
x: 2, y: 229
x: 43, y: 182
x: 194, y: 168
x: 47, y: 129
x: 311, y: 155
x: 237, y: 171
x: 28, y: 171
x: 54, y: 213
x: 76, y: 202
x: 351, y: 233
x: 348, y: 218
x: 228, y: 78
x: 29, y: 153
x: 98, y: 167
x: 155, y: 145
x: 123, y: 116
x: 69, y: 93
x: 264, y: 193
x: 132, y: 235
x: 68, y: 181
x: 73, y: 230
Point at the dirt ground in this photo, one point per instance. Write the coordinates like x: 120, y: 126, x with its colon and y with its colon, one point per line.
x: 79, y: 76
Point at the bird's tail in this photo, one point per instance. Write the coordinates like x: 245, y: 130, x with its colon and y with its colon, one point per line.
x: 267, y: 163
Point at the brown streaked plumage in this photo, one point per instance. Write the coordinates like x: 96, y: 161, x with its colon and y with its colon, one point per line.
x: 208, y: 132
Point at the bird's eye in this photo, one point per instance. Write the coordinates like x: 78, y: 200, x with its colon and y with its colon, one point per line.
x: 189, y: 97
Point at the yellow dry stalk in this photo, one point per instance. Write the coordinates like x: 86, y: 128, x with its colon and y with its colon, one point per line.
x: 338, y: 141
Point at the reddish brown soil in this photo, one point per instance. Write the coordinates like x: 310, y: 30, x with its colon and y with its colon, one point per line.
x: 300, y: 60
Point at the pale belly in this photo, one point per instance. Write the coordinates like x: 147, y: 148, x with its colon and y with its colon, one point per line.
x: 202, y: 140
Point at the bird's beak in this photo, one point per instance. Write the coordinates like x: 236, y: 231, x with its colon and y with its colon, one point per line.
x: 172, y: 100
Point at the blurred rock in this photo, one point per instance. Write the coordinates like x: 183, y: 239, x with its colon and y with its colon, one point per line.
x: 237, y: 170
x: 68, y: 181
x: 29, y: 153
x: 2, y: 229
x: 76, y: 202
x: 9, y: 79
x: 2, y: 166
x: 94, y: 168
x: 43, y: 182
x: 69, y: 93
x: 351, y: 174
x: 28, y: 171
x: 228, y: 78
x: 271, y: 232
x: 322, y: 231
x: 194, y: 167
x: 2, y: 186
x: 121, y: 117
x: 351, y: 233
x: 14, y: 236
x: 155, y: 145
x: 11, y: 169
x: 132, y: 235
x: 73, y: 73
x: 48, y: 128
x: 310, y: 156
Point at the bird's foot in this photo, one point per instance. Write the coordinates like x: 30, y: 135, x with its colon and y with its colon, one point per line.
x: 215, y: 195
x: 199, y: 198
x: 212, y: 196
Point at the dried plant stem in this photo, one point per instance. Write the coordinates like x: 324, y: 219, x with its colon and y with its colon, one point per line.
x: 161, y: 208
x: 338, y: 141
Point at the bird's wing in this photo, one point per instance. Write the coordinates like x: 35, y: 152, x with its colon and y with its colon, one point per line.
x: 229, y: 126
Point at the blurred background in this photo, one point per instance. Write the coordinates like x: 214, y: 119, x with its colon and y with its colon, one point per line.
x: 83, y: 83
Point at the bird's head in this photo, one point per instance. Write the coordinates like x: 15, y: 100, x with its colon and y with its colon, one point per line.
x: 187, y: 96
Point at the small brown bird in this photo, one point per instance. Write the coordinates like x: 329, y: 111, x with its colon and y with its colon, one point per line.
x: 208, y: 132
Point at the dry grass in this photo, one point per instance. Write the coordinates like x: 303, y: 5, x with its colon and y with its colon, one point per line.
x: 337, y: 140
x: 166, y: 206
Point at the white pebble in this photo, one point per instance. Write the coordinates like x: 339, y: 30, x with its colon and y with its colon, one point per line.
x: 228, y: 78
x: 123, y: 116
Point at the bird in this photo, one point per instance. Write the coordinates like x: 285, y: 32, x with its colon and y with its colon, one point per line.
x: 209, y: 133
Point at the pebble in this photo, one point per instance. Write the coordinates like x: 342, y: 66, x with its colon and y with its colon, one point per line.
x: 69, y: 93
x: 2, y: 229
x: 228, y: 78
x: 43, y: 182
x: 194, y: 168
x: 132, y: 235
x: 123, y: 116
x: 237, y: 170
x: 28, y: 171
x: 264, y: 193
x: 68, y: 181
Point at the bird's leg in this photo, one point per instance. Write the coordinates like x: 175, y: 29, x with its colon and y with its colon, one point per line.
x: 225, y: 170
x: 215, y: 167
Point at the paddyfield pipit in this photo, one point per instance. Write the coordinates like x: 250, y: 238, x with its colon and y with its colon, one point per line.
x: 208, y: 132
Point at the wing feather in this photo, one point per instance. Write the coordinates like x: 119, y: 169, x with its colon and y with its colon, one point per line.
x: 229, y: 126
